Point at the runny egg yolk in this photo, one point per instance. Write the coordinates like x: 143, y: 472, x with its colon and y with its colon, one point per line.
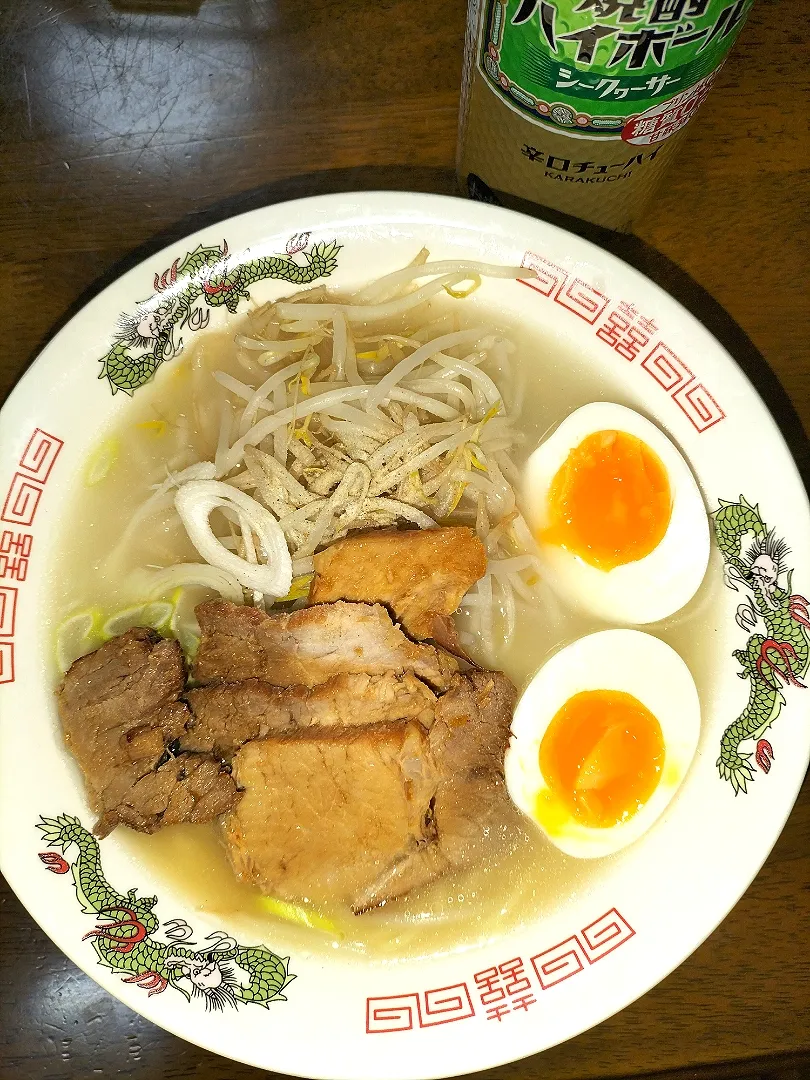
x: 610, y: 501
x: 602, y: 756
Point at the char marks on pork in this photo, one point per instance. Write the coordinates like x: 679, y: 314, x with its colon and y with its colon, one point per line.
x: 120, y: 712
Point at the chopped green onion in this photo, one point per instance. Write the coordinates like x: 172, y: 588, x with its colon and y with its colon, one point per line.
x: 460, y: 294
x: 296, y: 914
x: 77, y: 635
x: 298, y: 589
x: 101, y: 462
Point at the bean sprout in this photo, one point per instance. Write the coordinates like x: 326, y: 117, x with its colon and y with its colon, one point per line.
x: 372, y: 414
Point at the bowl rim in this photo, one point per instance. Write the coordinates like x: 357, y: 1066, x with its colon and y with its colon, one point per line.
x: 430, y: 207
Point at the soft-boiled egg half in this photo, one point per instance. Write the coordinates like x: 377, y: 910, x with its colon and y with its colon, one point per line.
x: 619, y: 520
x: 602, y: 738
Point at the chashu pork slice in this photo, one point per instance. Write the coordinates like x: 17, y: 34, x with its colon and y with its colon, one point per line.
x: 420, y: 575
x: 368, y: 814
x: 226, y: 715
x: 467, y: 744
x: 324, y: 814
x: 120, y: 711
x: 310, y: 646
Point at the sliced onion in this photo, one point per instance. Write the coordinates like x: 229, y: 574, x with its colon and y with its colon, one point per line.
x: 195, y: 502
x: 200, y: 470
x: 159, y: 582
x: 77, y: 636
x: 157, y: 615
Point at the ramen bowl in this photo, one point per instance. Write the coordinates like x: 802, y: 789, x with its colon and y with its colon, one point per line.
x: 580, y: 939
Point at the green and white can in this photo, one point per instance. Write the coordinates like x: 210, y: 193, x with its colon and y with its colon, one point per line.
x: 574, y: 103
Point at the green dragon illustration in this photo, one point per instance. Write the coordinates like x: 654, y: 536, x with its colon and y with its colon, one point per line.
x: 223, y: 974
x: 206, y: 277
x: 781, y: 653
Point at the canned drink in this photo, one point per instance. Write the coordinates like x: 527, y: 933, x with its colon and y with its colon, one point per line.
x: 580, y: 105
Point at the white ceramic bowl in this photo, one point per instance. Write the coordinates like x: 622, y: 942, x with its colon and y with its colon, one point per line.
x: 345, y: 1016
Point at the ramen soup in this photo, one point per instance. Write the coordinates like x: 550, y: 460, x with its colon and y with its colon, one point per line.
x: 399, y: 407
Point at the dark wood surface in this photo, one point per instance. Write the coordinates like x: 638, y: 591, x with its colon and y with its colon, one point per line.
x: 125, y: 125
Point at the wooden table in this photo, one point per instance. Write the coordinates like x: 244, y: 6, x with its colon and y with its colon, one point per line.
x: 127, y: 124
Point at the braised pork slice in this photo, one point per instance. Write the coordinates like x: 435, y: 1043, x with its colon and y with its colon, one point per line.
x: 369, y: 813
x: 120, y: 711
x: 468, y: 739
x: 186, y: 788
x: 418, y: 574
x: 310, y: 646
x: 324, y: 814
x: 467, y: 743
x: 226, y: 715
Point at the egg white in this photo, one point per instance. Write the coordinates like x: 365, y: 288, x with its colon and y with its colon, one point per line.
x: 653, y: 587
x: 628, y: 660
